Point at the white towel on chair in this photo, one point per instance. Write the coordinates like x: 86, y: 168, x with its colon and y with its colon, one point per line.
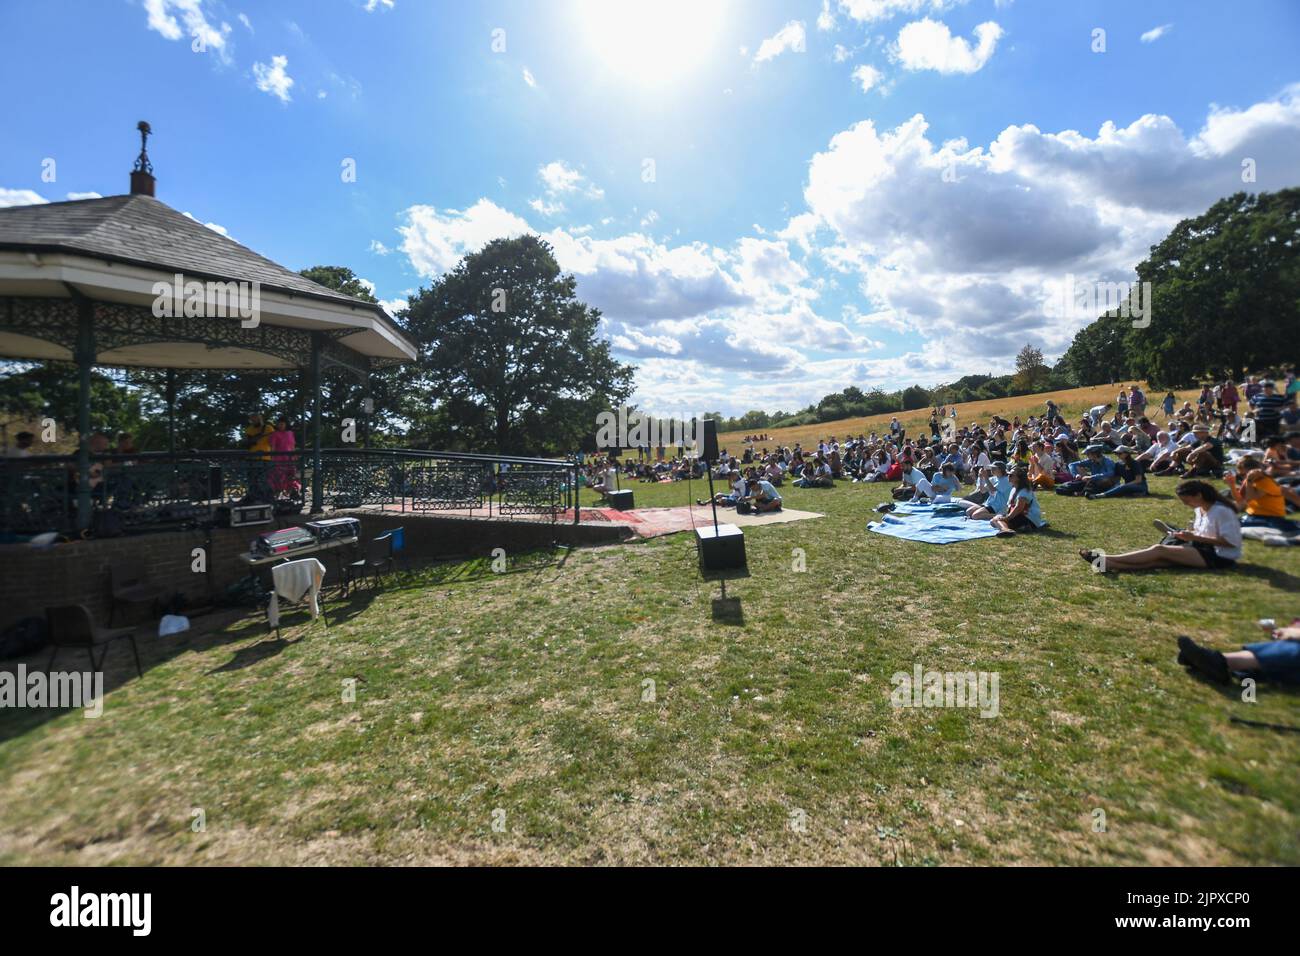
x: 293, y: 581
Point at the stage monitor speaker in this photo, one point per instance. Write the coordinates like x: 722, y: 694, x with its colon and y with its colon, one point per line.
x: 723, y: 550
x: 710, y: 440
x: 621, y: 500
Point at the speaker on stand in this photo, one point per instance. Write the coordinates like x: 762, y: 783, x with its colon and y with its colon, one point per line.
x: 722, y: 547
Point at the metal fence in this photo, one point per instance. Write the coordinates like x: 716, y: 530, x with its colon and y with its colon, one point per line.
x: 159, y: 490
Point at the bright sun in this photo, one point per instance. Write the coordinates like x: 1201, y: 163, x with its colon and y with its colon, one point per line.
x: 652, y: 42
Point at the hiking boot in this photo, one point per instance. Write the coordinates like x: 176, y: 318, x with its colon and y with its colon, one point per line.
x: 1210, y: 663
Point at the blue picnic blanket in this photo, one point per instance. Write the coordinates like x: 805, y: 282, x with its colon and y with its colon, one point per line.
x: 934, y: 524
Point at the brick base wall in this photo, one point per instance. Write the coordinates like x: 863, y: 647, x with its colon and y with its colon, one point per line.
x: 78, y: 572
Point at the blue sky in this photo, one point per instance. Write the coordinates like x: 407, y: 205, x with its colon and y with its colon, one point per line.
x: 768, y: 200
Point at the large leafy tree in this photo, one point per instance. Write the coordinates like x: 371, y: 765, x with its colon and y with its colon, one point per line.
x: 510, y: 360
x: 1225, y: 291
x: 1224, y: 300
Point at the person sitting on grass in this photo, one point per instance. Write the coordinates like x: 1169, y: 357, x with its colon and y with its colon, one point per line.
x: 1213, y: 542
x: 762, y: 496
x: 1042, y: 467
x: 908, y: 478
x: 1092, y: 473
x: 1205, y: 459
x: 1264, y: 499
x: 1022, y: 512
x: 1131, y: 478
x: 816, y: 474
x: 998, y: 489
x: 1276, y: 660
x: 944, y: 485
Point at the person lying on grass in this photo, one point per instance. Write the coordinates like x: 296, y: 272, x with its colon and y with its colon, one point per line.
x: 1276, y: 660
x: 739, y: 489
x: 1022, y: 511
x: 1263, y: 498
x: 1130, y: 476
x: 1214, y: 540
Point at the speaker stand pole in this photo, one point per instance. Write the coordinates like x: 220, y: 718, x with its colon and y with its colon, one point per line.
x: 713, y: 500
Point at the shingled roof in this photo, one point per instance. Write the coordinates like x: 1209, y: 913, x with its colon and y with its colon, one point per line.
x: 140, y: 230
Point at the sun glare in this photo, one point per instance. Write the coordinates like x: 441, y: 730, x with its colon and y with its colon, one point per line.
x: 652, y: 42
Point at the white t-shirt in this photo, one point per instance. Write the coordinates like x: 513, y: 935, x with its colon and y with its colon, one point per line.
x: 1220, y: 521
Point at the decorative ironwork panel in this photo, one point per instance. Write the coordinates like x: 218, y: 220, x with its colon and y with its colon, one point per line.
x: 54, y: 320
x: 350, y: 481
x: 533, y: 490
x: 156, y: 492
x: 269, y: 479
x: 118, y: 325
x: 447, y: 486
x: 36, y: 498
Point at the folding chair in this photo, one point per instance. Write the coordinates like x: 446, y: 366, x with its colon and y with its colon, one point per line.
x: 379, y: 555
x: 71, y: 626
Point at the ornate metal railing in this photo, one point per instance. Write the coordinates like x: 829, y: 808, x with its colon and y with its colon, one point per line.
x: 156, y: 491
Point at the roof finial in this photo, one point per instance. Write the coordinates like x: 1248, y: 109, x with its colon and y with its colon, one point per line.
x: 142, y: 180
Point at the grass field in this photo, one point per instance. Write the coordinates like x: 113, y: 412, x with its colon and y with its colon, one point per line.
x: 505, y: 718
x: 1073, y: 402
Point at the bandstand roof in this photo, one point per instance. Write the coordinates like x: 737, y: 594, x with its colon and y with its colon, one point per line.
x: 112, y: 250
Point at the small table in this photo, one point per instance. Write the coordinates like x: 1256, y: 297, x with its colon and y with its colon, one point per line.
x: 256, y: 562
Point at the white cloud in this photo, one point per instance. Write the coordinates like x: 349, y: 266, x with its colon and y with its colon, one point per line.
x: 248, y: 24
x: 826, y: 19
x: 960, y: 245
x: 274, y: 79
x: 373, y: 5
x: 193, y: 23
x: 1155, y: 33
x: 528, y: 78
x: 88, y: 195
x: 20, y: 197
x: 841, y: 53
x: 928, y: 45
x: 435, y: 241
x: 868, y: 11
x: 867, y: 77
x: 393, y: 306
x: 219, y: 229
x: 790, y: 37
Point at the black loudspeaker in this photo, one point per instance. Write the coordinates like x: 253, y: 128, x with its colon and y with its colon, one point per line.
x: 710, y: 440
x: 621, y: 500
x: 723, y: 550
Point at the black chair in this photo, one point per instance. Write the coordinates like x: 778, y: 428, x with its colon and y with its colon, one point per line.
x: 378, y: 558
x: 71, y: 626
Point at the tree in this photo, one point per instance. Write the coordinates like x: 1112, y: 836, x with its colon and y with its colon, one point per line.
x: 915, y: 397
x: 509, y: 358
x: 1031, y: 371
x: 1225, y: 292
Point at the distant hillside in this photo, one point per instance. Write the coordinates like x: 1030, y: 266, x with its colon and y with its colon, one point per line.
x: 1073, y: 402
